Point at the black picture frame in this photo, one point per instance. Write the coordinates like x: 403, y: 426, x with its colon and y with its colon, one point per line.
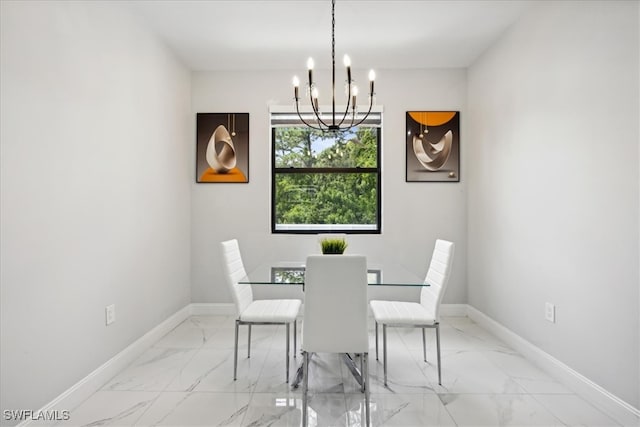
x: 222, y: 148
x: 432, y: 146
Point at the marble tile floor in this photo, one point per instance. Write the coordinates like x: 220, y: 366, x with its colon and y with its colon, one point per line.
x: 185, y: 379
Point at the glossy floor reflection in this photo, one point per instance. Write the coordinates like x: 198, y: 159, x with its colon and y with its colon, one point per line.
x: 186, y: 379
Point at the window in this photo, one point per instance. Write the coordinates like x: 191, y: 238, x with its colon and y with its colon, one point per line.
x: 325, y: 182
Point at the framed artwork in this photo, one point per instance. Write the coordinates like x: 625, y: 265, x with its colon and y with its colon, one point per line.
x: 222, y: 147
x: 433, y: 146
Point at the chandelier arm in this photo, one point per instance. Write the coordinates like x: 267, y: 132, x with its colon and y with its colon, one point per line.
x: 344, y: 116
x: 353, y: 118
x: 316, y: 110
x: 303, y: 120
x: 366, y: 115
x: 346, y: 111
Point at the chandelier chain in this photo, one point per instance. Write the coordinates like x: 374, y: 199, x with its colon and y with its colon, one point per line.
x: 333, y: 62
x: 333, y: 32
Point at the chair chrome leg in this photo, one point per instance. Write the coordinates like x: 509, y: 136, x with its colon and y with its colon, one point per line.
x: 235, y: 352
x: 287, y: 354
x: 376, y: 340
x: 249, y: 342
x: 424, y: 346
x: 305, y: 386
x: 438, y: 350
x: 366, y: 386
x: 295, y: 336
x: 384, y: 351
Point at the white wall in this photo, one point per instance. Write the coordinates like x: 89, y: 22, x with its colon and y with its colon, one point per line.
x: 414, y: 214
x: 95, y: 135
x: 553, y: 186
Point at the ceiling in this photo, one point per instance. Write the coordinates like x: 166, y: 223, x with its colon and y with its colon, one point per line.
x: 282, y: 34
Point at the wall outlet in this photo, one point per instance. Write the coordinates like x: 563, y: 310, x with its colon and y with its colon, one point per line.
x: 110, y: 314
x: 550, y: 312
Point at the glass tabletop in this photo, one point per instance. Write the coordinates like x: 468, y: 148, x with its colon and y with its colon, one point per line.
x: 292, y: 273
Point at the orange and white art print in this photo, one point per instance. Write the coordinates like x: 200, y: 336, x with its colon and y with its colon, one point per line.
x: 433, y: 146
x: 222, y: 147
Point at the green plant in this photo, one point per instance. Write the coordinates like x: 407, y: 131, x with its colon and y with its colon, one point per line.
x: 333, y: 245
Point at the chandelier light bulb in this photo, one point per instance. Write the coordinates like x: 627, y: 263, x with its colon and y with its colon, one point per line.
x: 296, y: 84
x: 372, y: 78
x: 354, y: 91
x: 310, y: 67
x: 347, y: 63
x: 314, y: 93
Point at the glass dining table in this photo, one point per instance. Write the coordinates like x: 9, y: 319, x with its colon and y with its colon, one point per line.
x: 291, y: 273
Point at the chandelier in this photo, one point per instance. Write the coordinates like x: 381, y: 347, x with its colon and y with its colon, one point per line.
x: 333, y: 121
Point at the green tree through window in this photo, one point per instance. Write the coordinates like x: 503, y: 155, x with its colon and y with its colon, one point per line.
x: 326, y: 182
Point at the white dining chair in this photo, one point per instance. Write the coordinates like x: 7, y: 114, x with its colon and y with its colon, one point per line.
x: 335, y: 314
x: 424, y: 314
x: 255, y: 312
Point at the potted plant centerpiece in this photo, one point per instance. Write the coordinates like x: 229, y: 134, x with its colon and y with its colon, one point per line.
x: 333, y: 245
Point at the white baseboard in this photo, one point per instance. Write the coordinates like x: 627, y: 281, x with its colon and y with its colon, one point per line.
x: 87, y: 386
x: 615, y: 407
